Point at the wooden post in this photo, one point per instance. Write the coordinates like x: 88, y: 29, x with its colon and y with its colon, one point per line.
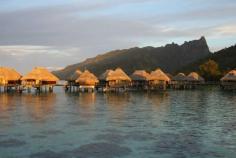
x: 70, y: 87
x: 50, y: 89
x: 39, y: 87
x: 28, y: 89
x: 5, y: 89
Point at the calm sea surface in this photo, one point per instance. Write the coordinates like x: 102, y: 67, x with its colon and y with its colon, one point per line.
x: 200, y: 123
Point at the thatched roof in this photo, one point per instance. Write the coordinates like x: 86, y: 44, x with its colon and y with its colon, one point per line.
x: 87, y: 78
x: 140, y: 75
x: 193, y: 76
x: 180, y: 77
x: 41, y: 74
x: 75, y: 75
x: 118, y: 74
x: 169, y: 75
x: 9, y: 74
x: 158, y: 74
x: 231, y: 76
x: 105, y: 75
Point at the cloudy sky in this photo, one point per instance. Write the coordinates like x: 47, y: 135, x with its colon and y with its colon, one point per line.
x: 55, y: 33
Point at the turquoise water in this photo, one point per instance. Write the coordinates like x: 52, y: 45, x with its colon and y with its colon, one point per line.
x: 196, y: 124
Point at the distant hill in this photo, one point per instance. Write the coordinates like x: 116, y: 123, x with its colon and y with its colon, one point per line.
x: 226, y: 59
x: 170, y: 58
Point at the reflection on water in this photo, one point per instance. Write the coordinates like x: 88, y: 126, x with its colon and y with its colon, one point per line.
x: 117, y: 100
x: 198, y: 123
x: 85, y: 100
x: 6, y: 102
x: 39, y: 106
x: 158, y: 99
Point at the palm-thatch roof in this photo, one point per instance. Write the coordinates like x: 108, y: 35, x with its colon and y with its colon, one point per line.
x: 9, y: 74
x: 118, y: 74
x: 105, y: 75
x: 158, y: 75
x: 193, y: 76
x: 180, y: 77
x: 75, y: 75
x: 169, y: 75
x: 87, y: 78
x: 40, y: 74
x: 231, y: 76
x: 140, y: 75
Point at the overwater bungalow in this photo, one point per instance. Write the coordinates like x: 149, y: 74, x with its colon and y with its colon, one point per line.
x: 195, y: 78
x: 103, y: 80
x: 179, y: 81
x: 87, y: 81
x: 72, y: 85
x: 39, y: 78
x: 9, y: 79
x: 140, y: 80
x: 158, y: 80
x: 228, y: 82
x: 116, y: 80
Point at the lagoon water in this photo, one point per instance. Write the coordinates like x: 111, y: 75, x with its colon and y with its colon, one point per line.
x: 196, y: 124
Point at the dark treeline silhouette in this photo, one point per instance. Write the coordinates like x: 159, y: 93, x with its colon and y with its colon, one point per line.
x: 215, y: 65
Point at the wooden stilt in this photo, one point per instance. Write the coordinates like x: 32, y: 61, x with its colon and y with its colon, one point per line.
x: 50, y: 89
x: 28, y: 89
x: 5, y: 89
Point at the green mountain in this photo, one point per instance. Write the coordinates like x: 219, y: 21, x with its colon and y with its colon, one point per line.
x: 170, y: 58
x: 225, y: 58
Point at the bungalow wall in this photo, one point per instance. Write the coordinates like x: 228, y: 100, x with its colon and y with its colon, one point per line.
x: 157, y: 84
x: 139, y: 84
x: 228, y: 85
x: 119, y: 83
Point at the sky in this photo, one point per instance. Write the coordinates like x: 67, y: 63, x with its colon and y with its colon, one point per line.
x: 56, y: 33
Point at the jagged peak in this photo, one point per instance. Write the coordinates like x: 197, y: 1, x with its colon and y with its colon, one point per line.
x: 202, y: 38
x: 201, y: 41
x: 172, y: 45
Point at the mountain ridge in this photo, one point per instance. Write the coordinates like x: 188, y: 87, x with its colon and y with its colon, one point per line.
x: 225, y: 58
x: 170, y: 58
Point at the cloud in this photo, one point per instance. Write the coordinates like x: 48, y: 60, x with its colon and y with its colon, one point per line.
x: 53, y: 68
x: 57, y: 35
x: 65, y: 25
x: 24, y: 50
x: 25, y: 57
x: 205, y: 15
x: 226, y: 30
